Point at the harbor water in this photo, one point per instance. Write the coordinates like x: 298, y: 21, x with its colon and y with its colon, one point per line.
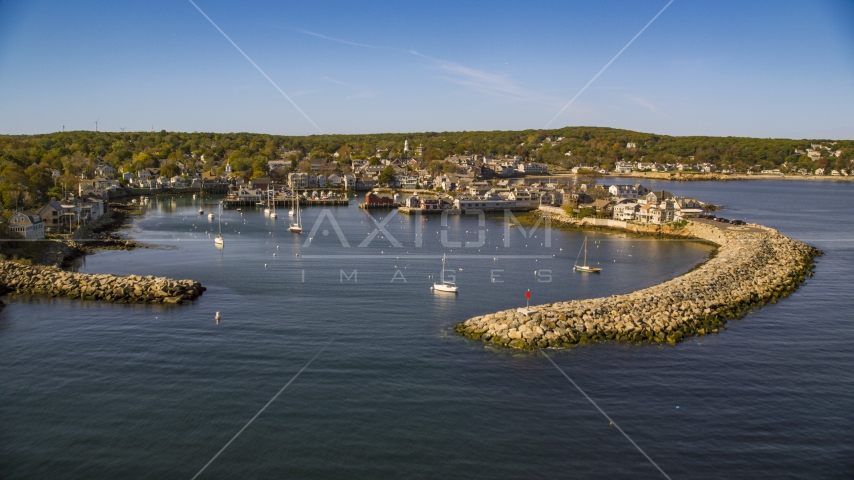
x: 97, y: 390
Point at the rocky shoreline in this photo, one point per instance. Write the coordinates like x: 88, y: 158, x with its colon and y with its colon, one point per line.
x: 51, y: 280
x: 753, y: 266
x: 54, y: 282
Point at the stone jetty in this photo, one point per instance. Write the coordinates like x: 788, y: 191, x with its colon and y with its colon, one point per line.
x: 55, y: 282
x: 753, y: 266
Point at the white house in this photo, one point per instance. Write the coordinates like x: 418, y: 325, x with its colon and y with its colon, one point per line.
x: 626, y: 211
x: 623, y: 192
x: 525, y: 198
x: 251, y: 194
x: 687, y: 207
x: 533, y: 168
x: 623, y: 167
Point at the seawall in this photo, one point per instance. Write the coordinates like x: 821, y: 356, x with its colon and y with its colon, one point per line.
x: 55, y: 282
x: 753, y: 266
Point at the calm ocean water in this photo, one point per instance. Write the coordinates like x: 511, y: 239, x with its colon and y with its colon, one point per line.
x: 90, y: 390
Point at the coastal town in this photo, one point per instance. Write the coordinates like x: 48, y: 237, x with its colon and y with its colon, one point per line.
x: 483, y: 183
x: 60, y: 182
x: 426, y: 240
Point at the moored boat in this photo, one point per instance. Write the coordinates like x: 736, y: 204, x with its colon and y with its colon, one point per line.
x: 584, y: 267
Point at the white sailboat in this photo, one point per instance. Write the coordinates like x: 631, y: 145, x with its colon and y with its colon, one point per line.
x: 201, y: 198
x: 218, y: 241
x: 272, y: 196
x: 584, y: 267
x: 296, y: 223
x: 444, y: 286
x: 291, y: 212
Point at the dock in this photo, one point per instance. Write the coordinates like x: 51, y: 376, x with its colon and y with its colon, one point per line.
x: 424, y: 211
x: 286, y: 202
x: 380, y: 206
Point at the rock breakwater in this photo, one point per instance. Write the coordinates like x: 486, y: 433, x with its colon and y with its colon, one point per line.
x: 52, y: 281
x: 753, y: 266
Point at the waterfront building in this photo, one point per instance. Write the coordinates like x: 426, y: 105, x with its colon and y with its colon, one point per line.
x: 374, y: 199
x: 349, y: 182
x: 298, y: 180
x: 334, y: 180
x: 653, y: 198
x: 623, y: 167
x: 247, y: 194
x: 485, y: 204
x: 524, y: 199
x: 623, y: 192
x: 26, y: 225
x: 431, y: 204
x: 626, y: 211
x: 54, y: 215
x: 657, y: 214
x: 531, y: 168
x: 408, y: 182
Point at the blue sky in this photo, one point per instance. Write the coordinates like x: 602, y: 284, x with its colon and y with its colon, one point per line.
x: 762, y: 68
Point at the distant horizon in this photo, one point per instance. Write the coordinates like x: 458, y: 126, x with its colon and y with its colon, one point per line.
x: 419, y: 133
x: 757, y: 69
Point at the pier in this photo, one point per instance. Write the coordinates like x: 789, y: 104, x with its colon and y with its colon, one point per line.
x: 286, y: 202
x: 380, y: 206
x: 425, y: 211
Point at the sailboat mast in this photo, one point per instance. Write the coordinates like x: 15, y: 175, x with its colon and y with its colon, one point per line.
x: 585, y: 251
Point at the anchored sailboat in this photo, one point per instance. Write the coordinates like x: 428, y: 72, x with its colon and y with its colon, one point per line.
x: 296, y: 223
x: 201, y: 198
x: 271, y: 194
x: 585, y: 267
x: 444, y: 286
x: 218, y: 240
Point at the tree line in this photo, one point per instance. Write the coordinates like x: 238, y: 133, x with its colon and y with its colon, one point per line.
x: 28, y: 162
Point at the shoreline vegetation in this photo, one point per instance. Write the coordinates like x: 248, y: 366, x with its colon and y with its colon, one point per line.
x: 62, y: 251
x: 39, y: 267
x: 35, y: 168
x: 752, y: 266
